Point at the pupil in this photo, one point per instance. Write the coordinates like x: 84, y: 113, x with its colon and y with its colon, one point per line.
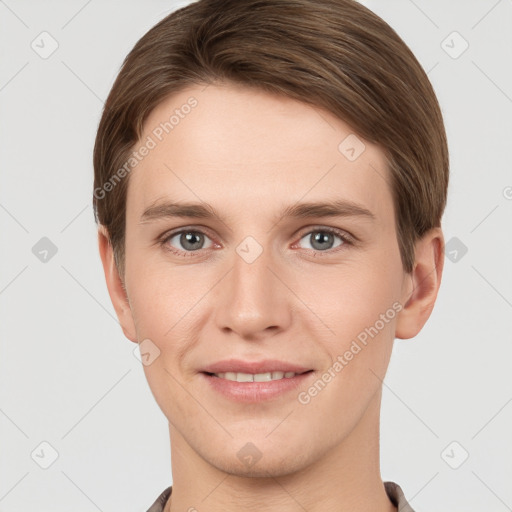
x: 189, y: 240
x: 320, y: 238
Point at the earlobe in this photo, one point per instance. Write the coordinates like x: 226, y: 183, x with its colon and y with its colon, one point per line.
x: 115, y: 285
x: 422, y: 284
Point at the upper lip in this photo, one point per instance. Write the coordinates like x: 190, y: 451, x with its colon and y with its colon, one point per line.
x: 265, y: 366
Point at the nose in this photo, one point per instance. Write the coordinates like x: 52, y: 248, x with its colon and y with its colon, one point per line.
x: 252, y: 300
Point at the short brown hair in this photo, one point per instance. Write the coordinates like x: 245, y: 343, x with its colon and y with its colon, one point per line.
x: 333, y: 54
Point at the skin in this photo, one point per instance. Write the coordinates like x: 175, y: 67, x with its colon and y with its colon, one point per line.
x: 249, y: 154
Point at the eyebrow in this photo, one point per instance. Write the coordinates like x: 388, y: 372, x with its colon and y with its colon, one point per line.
x: 334, y: 208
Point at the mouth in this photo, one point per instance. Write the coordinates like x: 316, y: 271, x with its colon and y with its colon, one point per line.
x: 256, y: 377
x: 252, y: 388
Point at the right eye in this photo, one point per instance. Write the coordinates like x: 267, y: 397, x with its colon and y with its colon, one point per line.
x: 185, y: 241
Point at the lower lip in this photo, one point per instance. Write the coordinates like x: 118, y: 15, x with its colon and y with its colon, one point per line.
x: 251, y: 392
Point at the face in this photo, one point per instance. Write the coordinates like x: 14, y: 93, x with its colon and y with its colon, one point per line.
x: 284, y: 249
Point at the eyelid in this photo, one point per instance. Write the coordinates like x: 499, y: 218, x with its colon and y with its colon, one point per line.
x: 344, y: 235
x: 347, y: 240
x: 164, y: 238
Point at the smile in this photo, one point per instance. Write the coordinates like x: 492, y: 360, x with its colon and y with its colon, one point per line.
x: 255, y: 377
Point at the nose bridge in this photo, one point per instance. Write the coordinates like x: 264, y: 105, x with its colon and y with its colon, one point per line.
x: 252, y: 297
x: 250, y: 268
x: 251, y: 276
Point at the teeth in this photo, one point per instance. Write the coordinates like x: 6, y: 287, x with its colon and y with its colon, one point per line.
x: 258, y: 377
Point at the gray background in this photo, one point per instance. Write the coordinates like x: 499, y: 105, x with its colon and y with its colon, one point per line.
x: 68, y: 377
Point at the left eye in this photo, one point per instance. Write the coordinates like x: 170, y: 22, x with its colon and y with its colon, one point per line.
x: 323, y: 239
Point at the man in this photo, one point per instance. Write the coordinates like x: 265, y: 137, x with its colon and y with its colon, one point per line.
x: 270, y: 177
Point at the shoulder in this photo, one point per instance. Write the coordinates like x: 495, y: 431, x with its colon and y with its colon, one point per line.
x: 159, y: 504
x: 397, y: 497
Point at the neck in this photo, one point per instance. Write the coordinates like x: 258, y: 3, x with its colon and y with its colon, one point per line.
x: 346, y: 478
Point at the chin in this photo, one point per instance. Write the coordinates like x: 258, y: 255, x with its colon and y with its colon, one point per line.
x: 252, y: 459
x: 263, y: 468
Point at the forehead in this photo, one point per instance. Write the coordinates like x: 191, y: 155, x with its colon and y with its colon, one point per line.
x: 234, y: 146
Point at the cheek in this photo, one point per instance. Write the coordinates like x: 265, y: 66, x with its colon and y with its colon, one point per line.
x: 356, y: 309
x: 358, y: 359
x: 162, y: 297
x: 343, y: 302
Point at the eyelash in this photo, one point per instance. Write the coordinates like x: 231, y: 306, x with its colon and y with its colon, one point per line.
x: 345, y: 237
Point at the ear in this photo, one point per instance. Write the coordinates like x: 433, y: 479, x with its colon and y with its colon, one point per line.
x: 115, y: 285
x: 421, y: 285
